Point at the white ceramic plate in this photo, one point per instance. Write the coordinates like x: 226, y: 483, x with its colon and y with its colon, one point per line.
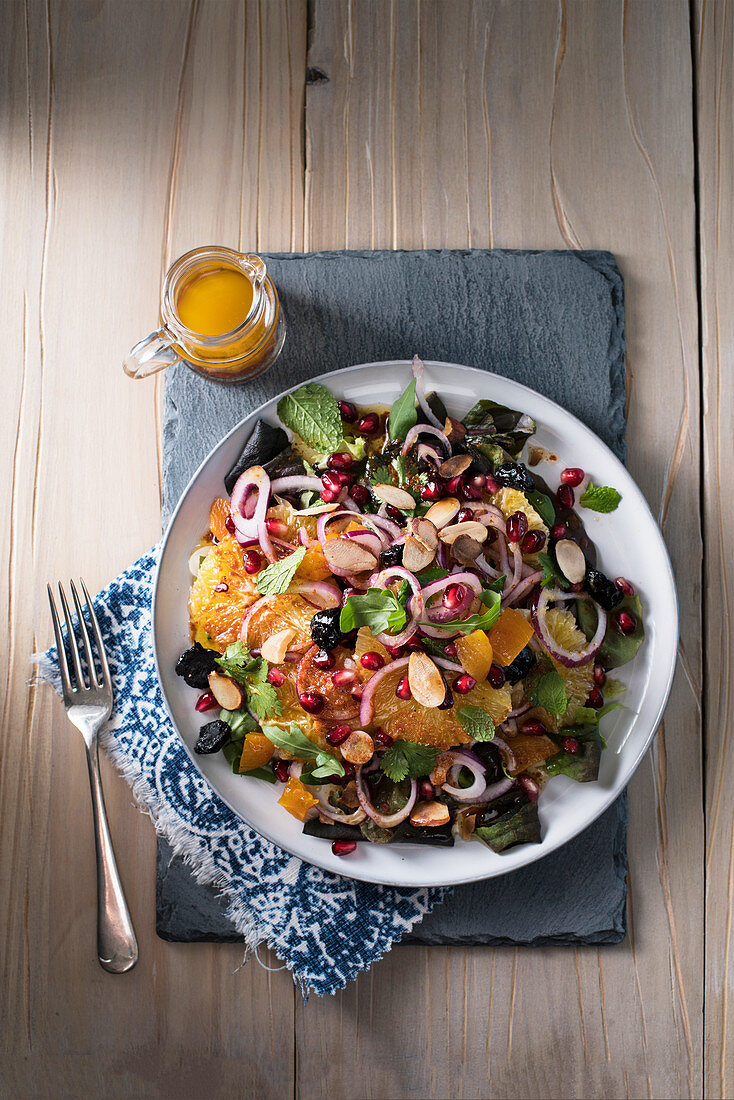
x: 629, y: 544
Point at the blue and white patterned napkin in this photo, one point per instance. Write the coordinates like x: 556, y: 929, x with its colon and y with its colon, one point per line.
x: 325, y: 928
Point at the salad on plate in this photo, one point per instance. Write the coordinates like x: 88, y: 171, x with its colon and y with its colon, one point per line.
x: 401, y: 625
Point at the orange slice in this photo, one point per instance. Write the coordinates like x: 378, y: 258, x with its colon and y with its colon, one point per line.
x: 218, y: 516
x: 277, y: 613
x: 216, y: 616
x: 407, y: 719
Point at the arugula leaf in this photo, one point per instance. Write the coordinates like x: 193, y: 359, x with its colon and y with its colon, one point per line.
x: 543, y: 506
x: 550, y: 692
x: 260, y: 773
x: 403, y: 415
x: 239, y: 721
x: 477, y: 723
x: 433, y: 573
x: 379, y: 609
x: 474, y: 622
x: 296, y: 742
x: 313, y: 413
x: 600, y: 498
x: 252, y: 672
x: 408, y: 759
x: 552, y: 576
x: 277, y: 577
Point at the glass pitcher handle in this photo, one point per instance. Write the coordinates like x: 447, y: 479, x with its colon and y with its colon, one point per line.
x: 150, y: 355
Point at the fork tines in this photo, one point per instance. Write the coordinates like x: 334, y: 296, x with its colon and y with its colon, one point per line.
x: 74, y: 680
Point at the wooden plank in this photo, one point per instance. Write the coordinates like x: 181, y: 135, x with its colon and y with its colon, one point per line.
x: 523, y: 125
x: 714, y: 55
x: 126, y: 137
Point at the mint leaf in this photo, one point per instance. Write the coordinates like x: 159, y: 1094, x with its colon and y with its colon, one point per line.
x: 296, y: 743
x: 600, y: 498
x: 312, y: 412
x: 408, y: 760
x: 474, y: 622
x: 543, y: 506
x: 477, y: 723
x: 379, y: 609
x: 277, y: 577
x: 550, y: 693
x: 403, y: 415
x: 552, y: 576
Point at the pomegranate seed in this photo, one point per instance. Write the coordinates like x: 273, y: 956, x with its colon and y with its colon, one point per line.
x: 491, y: 485
x: 221, y: 587
x: 349, y: 771
x: 312, y: 701
x: 448, y: 700
x: 356, y: 691
x: 559, y: 531
x: 360, y: 494
x: 329, y: 496
x: 282, y: 770
x: 229, y: 524
x: 431, y: 491
x: 491, y: 535
x: 338, y: 734
x: 450, y: 649
x: 415, y: 642
x: 369, y: 424
x: 454, y: 486
x: 595, y: 699
x: 533, y: 728
x: 573, y: 476
x: 464, y: 684
x: 277, y: 527
x: 253, y: 561
x: 626, y: 623
x: 600, y: 675
x: 372, y: 661
x: 496, y: 676
x: 348, y: 411
x: 464, y: 515
x: 343, y: 847
x: 331, y: 482
x: 470, y: 492
x: 517, y: 525
x: 382, y: 738
x: 530, y: 787
x: 206, y: 702
x: 394, y: 513
x: 570, y: 744
x: 324, y: 660
x: 578, y: 587
x: 426, y: 792
x: 342, y: 478
x: 454, y: 595
x: 532, y: 542
x: 403, y: 689
x: 340, y: 460
x: 395, y: 651
x: 276, y: 677
x: 344, y: 677
x: 624, y: 586
x: 565, y: 497
x: 479, y: 481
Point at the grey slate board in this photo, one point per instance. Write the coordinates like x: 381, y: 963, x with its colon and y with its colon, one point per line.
x: 552, y: 320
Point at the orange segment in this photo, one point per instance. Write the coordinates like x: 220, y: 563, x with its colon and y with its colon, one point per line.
x: 509, y: 635
x: 530, y: 750
x: 256, y: 751
x: 475, y: 654
x: 313, y: 567
x: 218, y: 516
x: 216, y: 617
x: 278, y: 613
x: 407, y: 719
x: 297, y: 799
x: 367, y: 644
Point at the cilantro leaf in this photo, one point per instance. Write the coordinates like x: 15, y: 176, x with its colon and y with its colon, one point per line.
x: 600, y: 498
x: 313, y: 413
x: 543, y: 506
x: 263, y: 699
x: 296, y: 742
x: 277, y: 577
x: 474, y: 622
x: 252, y: 672
x: 550, y: 692
x: 497, y: 585
x: 381, y: 475
x: 408, y: 760
x: 552, y: 576
x: 403, y: 415
x: 477, y: 723
x: 237, y: 662
x: 379, y: 609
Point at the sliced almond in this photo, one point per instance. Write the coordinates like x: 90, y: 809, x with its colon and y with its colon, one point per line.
x: 466, y: 549
x: 430, y: 814
x: 358, y: 747
x: 453, y: 429
x: 350, y: 555
x: 275, y: 647
x: 425, y: 680
x: 391, y: 494
x: 443, y: 511
x: 416, y: 555
x: 440, y: 772
x: 226, y: 691
x: 424, y: 530
x: 571, y: 560
x: 470, y: 527
x: 454, y: 466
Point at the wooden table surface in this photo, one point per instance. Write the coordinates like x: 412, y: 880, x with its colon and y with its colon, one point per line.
x: 133, y: 130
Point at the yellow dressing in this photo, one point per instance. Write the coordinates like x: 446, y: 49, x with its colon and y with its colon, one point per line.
x: 215, y: 302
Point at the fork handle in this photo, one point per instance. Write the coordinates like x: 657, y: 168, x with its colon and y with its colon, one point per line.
x: 117, y: 947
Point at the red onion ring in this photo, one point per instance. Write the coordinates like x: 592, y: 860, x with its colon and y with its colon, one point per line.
x: 368, y: 539
x: 248, y: 524
x: 415, y: 606
x: 522, y: 589
x: 297, y: 483
x: 494, y: 790
x: 518, y: 711
x: 320, y: 593
x: 327, y: 810
x: 385, y: 821
x: 425, y: 429
x: 466, y: 794
x: 366, y: 707
x: 424, y: 452
x: 369, y: 522
x: 441, y: 614
x: 265, y: 541
x: 388, y: 526
x: 450, y: 666
x: 420, y: 394
x: 505, y: 752
x: 567, y: 657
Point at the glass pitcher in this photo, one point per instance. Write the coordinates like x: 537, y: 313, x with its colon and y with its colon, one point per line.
x: 214, y: 288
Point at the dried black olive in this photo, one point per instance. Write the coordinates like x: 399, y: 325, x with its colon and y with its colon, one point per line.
x: 601, y: 589
x: 212, y: 737
x: 393, y: 555
x: 195, y: 665
x: 520, y: 667
x: 325, y: 629
x: 514, y: 475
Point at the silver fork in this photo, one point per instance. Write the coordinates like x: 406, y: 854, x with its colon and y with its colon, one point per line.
x: 88, y: 703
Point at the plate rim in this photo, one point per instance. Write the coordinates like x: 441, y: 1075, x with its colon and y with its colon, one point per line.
x: 534, y: 853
